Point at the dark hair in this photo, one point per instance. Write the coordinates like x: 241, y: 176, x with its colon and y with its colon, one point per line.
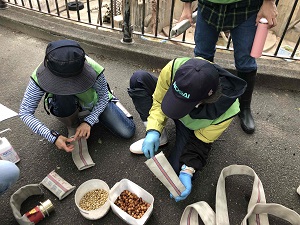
x: 214, y: 97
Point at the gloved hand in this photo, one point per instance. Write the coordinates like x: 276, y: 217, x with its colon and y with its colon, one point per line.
x: 186, y: 180
x: 151, y: 143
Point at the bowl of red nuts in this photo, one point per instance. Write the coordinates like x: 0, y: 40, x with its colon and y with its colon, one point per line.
x: 130, y: 202
x: 91, y: 198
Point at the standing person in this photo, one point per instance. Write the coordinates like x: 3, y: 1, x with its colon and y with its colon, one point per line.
x: 201, y: 98
x: 9, y: 174
x: 240, y: 18
x: 72, y: 83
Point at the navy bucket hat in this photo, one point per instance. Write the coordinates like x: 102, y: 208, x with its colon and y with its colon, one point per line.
x: 196, y: 80
x: 65, y: 70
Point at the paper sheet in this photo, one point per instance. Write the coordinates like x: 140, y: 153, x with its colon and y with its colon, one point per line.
x: 6, y: 113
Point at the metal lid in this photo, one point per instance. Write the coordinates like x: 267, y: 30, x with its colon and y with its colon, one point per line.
x: 46, y: 207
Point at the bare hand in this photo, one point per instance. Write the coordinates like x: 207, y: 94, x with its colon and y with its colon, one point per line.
x: 268, y: 10
x: 82, y: 131
x: 187, y: 13
x: 64, y: 143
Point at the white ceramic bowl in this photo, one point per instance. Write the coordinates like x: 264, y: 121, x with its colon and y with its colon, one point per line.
x: 87, y: 186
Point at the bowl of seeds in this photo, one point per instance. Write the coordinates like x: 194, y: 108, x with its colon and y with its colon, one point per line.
x: 91, y: 198
x: 130, y: 202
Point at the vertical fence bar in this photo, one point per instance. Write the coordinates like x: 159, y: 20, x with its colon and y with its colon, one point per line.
x: 77, y: 9
x: 143, y: 14
x: 88, y: 10
x: 48, y: 8
x: 112, y: 13
x: 67, y: 8
x: 57, y: 8
x: 183, y: 36
x: 157, y: 17
x: 30, y: 4
x: 126, y: 26
x: 39, y: 5
x: 286, y: 27
x: 171, y: 17
x: 100, y: 13
x: 228, y: 43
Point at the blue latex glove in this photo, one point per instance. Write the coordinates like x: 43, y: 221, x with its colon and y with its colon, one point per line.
x: 186, y: 180
x: 151, y: 143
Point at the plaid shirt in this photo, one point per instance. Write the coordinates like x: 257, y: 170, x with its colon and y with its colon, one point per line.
x: 227, y: 16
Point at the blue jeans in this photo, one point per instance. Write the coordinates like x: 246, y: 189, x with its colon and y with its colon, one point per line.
x: 9, y: 174
x: 206, y: 37
x: 113, y: 118
x: 117, y: 122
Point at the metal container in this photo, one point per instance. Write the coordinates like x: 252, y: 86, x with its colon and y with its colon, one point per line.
x: 39, y: 212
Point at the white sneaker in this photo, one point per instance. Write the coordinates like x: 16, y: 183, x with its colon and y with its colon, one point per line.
x: 136, y: 147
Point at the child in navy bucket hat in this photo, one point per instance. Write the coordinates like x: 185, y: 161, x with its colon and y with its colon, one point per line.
x: 76, y: 93
x: 200, y: 97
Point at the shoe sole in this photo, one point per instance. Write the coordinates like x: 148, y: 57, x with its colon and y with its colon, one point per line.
x: 247, y: 131
x: 141, y: 153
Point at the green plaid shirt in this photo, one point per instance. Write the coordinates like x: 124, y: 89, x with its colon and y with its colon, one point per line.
x: 227, y: 16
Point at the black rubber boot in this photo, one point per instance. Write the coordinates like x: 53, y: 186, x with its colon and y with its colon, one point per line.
x: 247, y: 121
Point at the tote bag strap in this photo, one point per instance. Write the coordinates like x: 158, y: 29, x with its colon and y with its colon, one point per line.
x: 191, y: 212
x: 257, y: 212
x: 257, y: 196
x: 277, y: 210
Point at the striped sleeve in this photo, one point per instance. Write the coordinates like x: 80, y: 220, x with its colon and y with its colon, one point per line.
x: 32, y: 97
x: 101, y: 88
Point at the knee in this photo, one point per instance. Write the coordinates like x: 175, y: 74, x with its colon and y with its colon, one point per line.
x: 9, y: 169
x: 128, y: 133
x: 137, y: 78
x: 9, y: 175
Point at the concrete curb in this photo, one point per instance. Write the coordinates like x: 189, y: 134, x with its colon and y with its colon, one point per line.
x: 274, y: 73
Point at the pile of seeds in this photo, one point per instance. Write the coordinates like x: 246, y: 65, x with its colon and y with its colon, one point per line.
x: 132, y: 204
x: 93, y: 199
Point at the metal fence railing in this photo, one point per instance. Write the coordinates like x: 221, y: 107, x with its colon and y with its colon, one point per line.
x: 153, y: 19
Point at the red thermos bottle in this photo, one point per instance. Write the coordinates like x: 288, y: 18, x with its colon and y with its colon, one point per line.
x: 260, y: 38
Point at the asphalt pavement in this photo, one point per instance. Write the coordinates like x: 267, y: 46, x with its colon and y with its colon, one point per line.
x: 272, y: 151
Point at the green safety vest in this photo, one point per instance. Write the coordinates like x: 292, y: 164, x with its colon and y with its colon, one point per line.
x: 196, y: 124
